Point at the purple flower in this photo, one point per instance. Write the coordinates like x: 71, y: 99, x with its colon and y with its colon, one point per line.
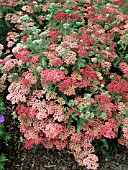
x: 1, y: 118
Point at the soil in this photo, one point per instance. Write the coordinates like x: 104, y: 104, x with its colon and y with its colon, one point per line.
x: 48, y: 159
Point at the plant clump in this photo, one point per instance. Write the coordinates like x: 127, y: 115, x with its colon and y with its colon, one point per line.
x: 67, y: 68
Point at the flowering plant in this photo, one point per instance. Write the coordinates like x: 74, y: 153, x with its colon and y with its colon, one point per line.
x: 1, y: 118
x: 68, y: 74
x: 4, y: 136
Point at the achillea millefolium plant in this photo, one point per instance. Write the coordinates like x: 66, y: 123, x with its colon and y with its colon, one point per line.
x: 68, y: 74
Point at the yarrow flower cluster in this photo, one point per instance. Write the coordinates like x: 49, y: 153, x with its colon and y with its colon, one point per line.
x: 69, y: 76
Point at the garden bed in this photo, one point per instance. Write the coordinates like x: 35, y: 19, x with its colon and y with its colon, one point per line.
x: 64, y: 70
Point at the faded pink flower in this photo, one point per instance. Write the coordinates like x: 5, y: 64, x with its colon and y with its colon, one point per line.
x: 1, y: 47
x: 53, y: 130
x: 91, y: 162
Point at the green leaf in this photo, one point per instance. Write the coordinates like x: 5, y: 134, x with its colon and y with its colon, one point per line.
x: 97, y: 114
x: 126, y: 114
x: 88, y: 58
x: 6, y: 136
x: 43, y: 62
x: 15, y: 78
x: 2, y: 161
x: 81, y: 63
x: 35, y: 148
x: 2, y: 158
x: 45, y: 43
x: 64, y: 97
x: 7, y: 24
x: 117, y: 63
x: 79, y: 125
x: 69, y: 121
x: 104, y: 115
x: 1, y: 127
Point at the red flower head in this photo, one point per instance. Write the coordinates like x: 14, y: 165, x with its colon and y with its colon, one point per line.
x: 61, y: 16
x: 89, y: 73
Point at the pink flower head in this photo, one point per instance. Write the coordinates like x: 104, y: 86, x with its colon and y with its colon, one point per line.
x: 89, y: 73
x: 50, y: 75
x: 68, y: 81
x: 53, y: 130
x: 76, y: 137
x: 61, y: 16
x: 91, y: 162
x: 29, y: 144
x: 1, y: 47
